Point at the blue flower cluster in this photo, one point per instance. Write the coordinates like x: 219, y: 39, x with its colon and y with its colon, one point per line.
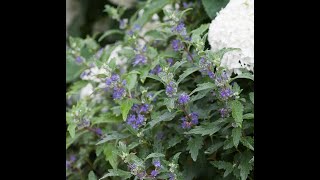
x: 140, y: 58
x: 156, y: 70
x: 117, y: 86
x: 183, y: 98
x: 176, y: 45
x: 206, y: 67
x: 70, y: 161
x: 171, y: 89
x: 190, y: 120
x: 157, y: 165
x: 136, y: 118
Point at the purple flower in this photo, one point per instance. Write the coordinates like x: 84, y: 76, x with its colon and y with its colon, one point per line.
x: 190, y: 57
x: 154, y: 173
x: 142, y: 174
x: 79, y: 60
x: 108, y: 81
x: 170, y: 89
x: 144, y: 108
x: 170, y: 61
x: 130, y: 32
x: 190, y: 120
x: 136, y: 27
x: 135, y: 108
x: 99, y: 53
x: 98, y: 131
x: 225, y: 93
x: 224, y: 112
x: 73, y: 158
x: 118, y: 92
x: 176, y: 45
x: 139, y: 59
x: 115, y: 77
x: 187, y: 5
x: 171, y: 176
x: 140, y: 119
x: 183, y: 98
x: 180, y: 28
x: 211, y: 74
x: 144, y: 49
x: 135, y: 121
x: 124, y: 82
x: 68, y: 164
x: 185, y: 124
x: 194, y: 118
x: 157, y: 163
x: 123, y: 23
x: 156, y: 70
x: 132, y: 167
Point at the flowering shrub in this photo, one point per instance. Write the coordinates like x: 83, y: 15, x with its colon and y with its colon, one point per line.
x: 163, y: 103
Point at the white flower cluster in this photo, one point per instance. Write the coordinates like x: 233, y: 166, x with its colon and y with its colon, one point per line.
x: 233, y: 27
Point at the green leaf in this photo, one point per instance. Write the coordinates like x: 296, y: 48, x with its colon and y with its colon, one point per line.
x: 106, y: 54
x: 228, y: 144
x: 72, y: 129
x: 114, y: 135
x: 237, y: 111
x: 207, y: 129
x: 144, y: 73
x: 106, y: 118
x: 108, y: 33
x: 154, y: 155
x: 245, y: 166
x: 213, y: 6
x: 251, y: 96
x: 111, y: 157
x: 176, y: 157
x: 117, y: 172
x: 199, y: 95
x: 227, y: 166
x: 167, y: 116
x: 70, y: 140
x: 169, y: 53
x: 203, y: 86
x: 155, y: 34
x: 152, y: 76
x: 127, y: 52
x: 131, y: 79
x: 92, y: 176
x: 149, y: 10
x: 177, y: 65
x: 194, y: 145
x: 236, y: 136
x: 187, y: 73
x: 248, y: 116
x: 169, y: 103
x: 125, y: 107
x: 152, y: 52
x: 73, y: 70
x: 213, y: 148
x: 243, y: 76
x: 200, y: 30
x: 174, y: 140
x: 247, y: 142
x: 133, y: 145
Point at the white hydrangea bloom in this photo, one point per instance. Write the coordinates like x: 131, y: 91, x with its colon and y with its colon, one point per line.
x: 233, y: 27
